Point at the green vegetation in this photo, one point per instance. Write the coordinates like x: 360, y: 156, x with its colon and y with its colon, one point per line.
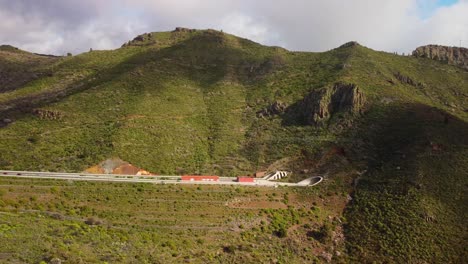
x: 411, y: 204
x: 188, y: 102
x: 127, y: 223
x: 160, y: 107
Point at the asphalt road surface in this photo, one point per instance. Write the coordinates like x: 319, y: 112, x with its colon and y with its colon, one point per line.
x: 160, y: 179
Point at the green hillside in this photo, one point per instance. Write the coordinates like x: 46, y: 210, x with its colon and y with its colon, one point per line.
x: 190, y: 105
x: 18, y: 67
x: 203, y: 101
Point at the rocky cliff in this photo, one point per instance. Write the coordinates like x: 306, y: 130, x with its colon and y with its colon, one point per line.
x: 321, y: 105
x: 452, y: 55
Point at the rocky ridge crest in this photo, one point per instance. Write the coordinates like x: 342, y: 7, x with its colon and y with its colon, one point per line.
x: 452, y: 55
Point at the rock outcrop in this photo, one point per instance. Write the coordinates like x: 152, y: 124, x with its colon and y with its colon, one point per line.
x: 141, y: 40
x: 182, y: 29
x: 320, y: 105
x: 407, y: 80
x: 45, y: 114
x: 276, y: 108
x: 452, y: 55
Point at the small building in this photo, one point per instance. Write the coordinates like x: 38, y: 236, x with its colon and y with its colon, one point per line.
x: 245, y: 179
x: 260, y: 174
x: 199, y: 178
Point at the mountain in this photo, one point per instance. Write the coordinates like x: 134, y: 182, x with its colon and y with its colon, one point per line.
x: 390, y: 130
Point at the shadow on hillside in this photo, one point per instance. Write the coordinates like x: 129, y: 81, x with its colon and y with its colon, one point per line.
x: 389, y: 132
x: 205, y: 59
x: 294, y: 115
x: 414, y: 155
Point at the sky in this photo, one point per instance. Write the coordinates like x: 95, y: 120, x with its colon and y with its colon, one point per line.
x: 62, y: 26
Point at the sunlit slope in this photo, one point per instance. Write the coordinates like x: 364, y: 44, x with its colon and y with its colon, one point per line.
x: 186, y: 106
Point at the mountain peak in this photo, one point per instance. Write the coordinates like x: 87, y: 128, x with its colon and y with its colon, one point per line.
x: 9, y: 48
x: 162, y: 38
x: 182, y: 29
x: 350, y: 44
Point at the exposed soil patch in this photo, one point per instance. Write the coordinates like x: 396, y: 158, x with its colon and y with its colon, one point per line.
x: 117, y: 166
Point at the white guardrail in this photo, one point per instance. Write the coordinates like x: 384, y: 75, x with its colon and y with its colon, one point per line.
x: 172, y: 179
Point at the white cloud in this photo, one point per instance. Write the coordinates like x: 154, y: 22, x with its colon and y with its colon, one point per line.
x: 243, y: 25
x: 447, y: 26
x: 55, y: 26
x: 61, y: 31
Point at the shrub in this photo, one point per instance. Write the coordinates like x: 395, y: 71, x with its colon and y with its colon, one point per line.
x: 281, y: 232
x: 229, y: 249
x: 93, y: 221
x: 323, y: 234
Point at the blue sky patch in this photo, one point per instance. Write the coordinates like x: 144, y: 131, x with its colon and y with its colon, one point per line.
x: 428, y: 7
x: 446, y: 2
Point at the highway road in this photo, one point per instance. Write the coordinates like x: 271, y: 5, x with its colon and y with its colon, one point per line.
x: 160, y: 179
